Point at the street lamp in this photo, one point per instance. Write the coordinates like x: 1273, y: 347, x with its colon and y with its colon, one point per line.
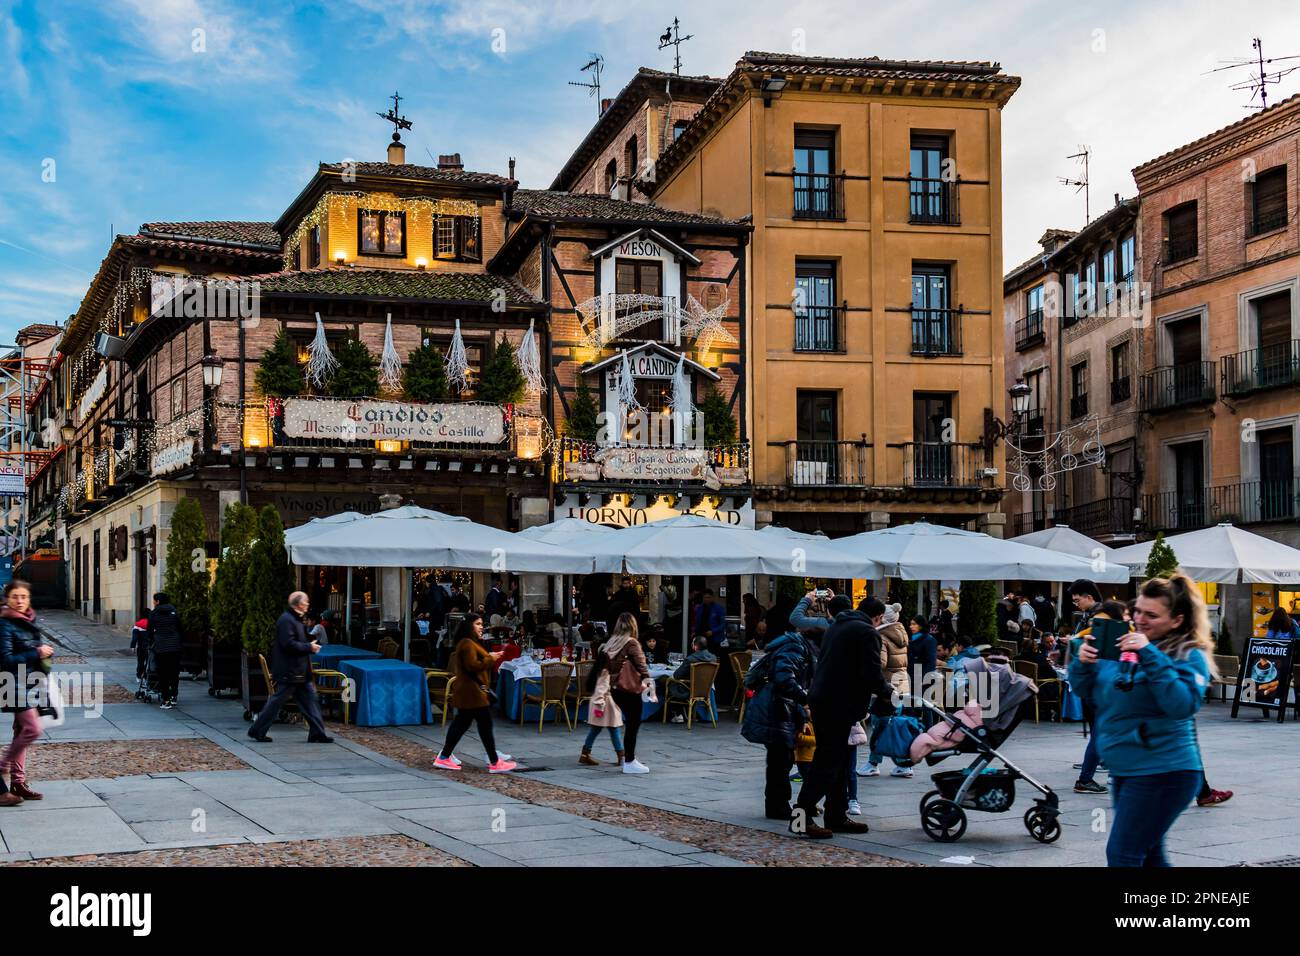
x: 68, y: 433
x: 996, y: 429
x: 212, y: 366
x: 1020, y: 394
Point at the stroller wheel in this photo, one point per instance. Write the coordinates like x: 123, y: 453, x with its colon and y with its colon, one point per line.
x: 944, y: 821
x: 1042, y: 825
x: 930, y: 795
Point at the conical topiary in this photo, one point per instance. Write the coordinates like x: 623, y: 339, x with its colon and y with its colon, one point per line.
x: 581, y: 421
x: 1162, y: 562
x: 358, y: 373
x: 425, y: 377
x: 228, y: 599
x: 719, y: 426
x: 978, y: 616
x: 267, y: 583
x: 278, y: 373
x: 502, y: 383
x: 186, y: 580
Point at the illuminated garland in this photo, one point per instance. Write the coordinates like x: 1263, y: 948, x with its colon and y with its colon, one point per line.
x: 418, y: 209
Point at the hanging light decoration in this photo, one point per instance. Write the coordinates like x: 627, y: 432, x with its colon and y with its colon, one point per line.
x: 627, y: 401
x: 321, y: 362
x: 457, y: 362
x: 529, y: 358
x: 390, y: 363
x: 683, y: 408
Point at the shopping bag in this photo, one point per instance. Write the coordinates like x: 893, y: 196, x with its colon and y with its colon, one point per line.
x: 51, y: 711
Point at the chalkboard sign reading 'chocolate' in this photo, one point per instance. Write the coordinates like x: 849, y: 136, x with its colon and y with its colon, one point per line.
x: 1265, y: 678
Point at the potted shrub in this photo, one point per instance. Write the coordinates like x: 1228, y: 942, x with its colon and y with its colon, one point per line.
x: 228, y: 600
x: 268, y: 579
x: 186, y: 583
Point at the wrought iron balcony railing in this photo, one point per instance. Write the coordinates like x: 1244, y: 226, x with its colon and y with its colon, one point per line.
x: 819, y: 328
x: 1246, y: 502
x: 936, y: 332
x: 1173, y: 386
x: 933, y: 202
x: 1254, y: 370
x: 819, y: 196
x: 1029, y: 330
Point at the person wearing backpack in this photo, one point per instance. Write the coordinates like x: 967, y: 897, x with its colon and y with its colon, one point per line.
x: 778, y: 711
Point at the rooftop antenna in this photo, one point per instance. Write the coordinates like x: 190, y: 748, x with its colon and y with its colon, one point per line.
x: 1258, y: 83
x: 673, y: 38
x: 1081, y: 184
x: 399, y: 122
x: 595, y: 65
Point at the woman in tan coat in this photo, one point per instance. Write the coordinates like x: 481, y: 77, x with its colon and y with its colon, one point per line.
x: 471, y: 670
x: 893, y: 661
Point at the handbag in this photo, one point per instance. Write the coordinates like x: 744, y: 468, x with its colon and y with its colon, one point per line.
x: 51, y: 712
x: 857, y: 736
x: 629, y: 678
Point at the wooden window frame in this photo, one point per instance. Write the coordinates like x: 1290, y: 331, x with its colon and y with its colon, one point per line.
x: 383, y: 215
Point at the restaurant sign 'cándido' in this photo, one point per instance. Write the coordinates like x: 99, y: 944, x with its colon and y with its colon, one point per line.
x: 394, y: 421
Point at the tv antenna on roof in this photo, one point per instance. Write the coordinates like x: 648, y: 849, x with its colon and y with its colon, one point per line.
x: 1081, y: 184
x: 399, y: 122
x: 673, y: 38
x: 1258, y: 83
x: 596, y: 64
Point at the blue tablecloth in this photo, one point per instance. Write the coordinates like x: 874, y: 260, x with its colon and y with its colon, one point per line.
x: 388, y: 693
x: 330, y: 655
x: 1071, y: 705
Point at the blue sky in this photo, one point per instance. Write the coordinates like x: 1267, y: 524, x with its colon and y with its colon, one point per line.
x: 141, y: 125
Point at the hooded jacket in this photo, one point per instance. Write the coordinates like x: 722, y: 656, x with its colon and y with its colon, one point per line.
x: 848, y: 671
x: 775, y: 713
x: 165, y: 629
x: 893, y: 639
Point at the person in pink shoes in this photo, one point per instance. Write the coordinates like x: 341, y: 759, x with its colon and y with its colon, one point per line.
x: 471, y: 666
x: 22, y: 652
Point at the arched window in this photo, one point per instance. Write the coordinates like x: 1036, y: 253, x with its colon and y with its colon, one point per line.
x: 630, y: 159
x: 611, y: 176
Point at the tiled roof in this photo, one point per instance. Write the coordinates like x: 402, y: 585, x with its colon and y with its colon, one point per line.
x: 1261, y: 119
x: 396, y: 284
x: 426, y: 173
x: 249, y: 233
x: 211, y: 247
x: 37, y: 332
x: 875, y: 66
x: 551, y: 204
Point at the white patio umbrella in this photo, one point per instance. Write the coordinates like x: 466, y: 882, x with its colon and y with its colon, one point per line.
x: 571, y: 533
x: 1066, y: 540
x: 692, y: 544
x: 1224, y: 554
x: 316, y: 525
x: 412, y: 537
x: 927, y: 552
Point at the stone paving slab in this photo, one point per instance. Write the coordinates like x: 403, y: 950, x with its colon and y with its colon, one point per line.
x: 66, y: 832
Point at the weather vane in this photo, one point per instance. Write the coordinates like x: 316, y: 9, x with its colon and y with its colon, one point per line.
x: 595, y: 65
x: 399, y: 122
x: 673, y: 38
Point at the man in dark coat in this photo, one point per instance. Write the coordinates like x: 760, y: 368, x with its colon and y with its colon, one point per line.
x: 291, y: 671
x: 779, y: 708
x: 164, y: 633
x: 848, y: 676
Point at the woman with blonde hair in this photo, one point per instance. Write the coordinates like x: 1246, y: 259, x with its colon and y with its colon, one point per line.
x: 1146, y: 706
x: 631, y: 678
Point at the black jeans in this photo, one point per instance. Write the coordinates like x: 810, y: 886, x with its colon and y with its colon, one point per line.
x: 776, y: 792
x: 168, y: 666
x: 304, y: 696
x: 630, y: 705
x: 828, y: 774
x: 460, y: 723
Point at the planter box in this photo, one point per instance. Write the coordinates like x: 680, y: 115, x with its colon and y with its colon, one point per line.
x: 223, y: 667
x: 194, y: 655
x: 252, y: 684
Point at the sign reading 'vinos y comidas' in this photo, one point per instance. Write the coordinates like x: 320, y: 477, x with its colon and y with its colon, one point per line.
x: 343, y: 421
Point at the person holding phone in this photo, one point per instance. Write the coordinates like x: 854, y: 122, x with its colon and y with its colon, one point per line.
x: 1146, y: 710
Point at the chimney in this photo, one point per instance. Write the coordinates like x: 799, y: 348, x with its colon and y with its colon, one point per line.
x: 604, y: 105
x: 397, y: 151
x: 512, y: 167
x: 450, y: 161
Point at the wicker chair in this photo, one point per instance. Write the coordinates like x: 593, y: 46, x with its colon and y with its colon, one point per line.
x: 388, y: 648
x: 554, y: 690
x: 578, y: 693
x: 1030, y: 669
x: 1229, y: 667
x: 698, y: 691
x: 291, y: 705
x: 333, y: 686
x: 740, y: 661
x: 440, y: 689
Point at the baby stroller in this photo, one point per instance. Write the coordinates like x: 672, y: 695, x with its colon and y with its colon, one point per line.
x: 148, y: 689
x: 977, y: 787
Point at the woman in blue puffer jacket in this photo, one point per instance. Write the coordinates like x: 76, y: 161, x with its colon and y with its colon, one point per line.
x: 1146, y: 733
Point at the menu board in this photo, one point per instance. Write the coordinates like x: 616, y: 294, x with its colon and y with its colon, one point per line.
x: 1265, y: 678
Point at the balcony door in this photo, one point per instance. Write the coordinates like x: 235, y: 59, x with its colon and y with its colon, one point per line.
x: 1273, y: 331
x: 641, y: 277
x: 1277, y: 483
x: 814, y: 317
x: 1185, y: 354
x: 817, y: 431
x: 932, y: 434
x: 1189, y: 484
x: 814, y: 166
x: 932, y: 331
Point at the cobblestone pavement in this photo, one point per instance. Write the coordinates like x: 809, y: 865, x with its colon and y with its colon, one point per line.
x: 743, y: 844
x: 108, y: 759
x: 346, y: 851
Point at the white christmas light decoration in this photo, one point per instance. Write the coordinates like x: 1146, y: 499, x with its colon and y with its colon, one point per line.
x: 1077, y: 446
x: 627, y: 401
x: 530, y: 361
x: 457, y: 362
x: 390, y: 363
x: 683, y: 408
x: 321, y: 362
x: 608, y: 317
x: 705, y: 325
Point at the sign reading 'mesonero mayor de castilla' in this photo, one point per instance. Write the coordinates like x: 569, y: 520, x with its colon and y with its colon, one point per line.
x: 394, y: 421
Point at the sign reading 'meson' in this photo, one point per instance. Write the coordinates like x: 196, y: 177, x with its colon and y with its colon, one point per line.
x: 343, y: 421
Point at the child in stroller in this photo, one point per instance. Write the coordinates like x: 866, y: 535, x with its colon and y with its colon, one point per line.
x: 146, y: 674
x: 985, y: 722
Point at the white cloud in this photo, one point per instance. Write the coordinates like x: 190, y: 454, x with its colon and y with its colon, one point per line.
x: 189, y: 43
x: 11, y: 57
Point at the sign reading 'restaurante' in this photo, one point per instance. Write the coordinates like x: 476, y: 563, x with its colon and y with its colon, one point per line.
x: 335, y: 421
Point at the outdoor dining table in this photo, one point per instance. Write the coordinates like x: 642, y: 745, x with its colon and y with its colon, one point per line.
x: 525, y: 675
x: 389, y: 693
x: 329, y: 656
